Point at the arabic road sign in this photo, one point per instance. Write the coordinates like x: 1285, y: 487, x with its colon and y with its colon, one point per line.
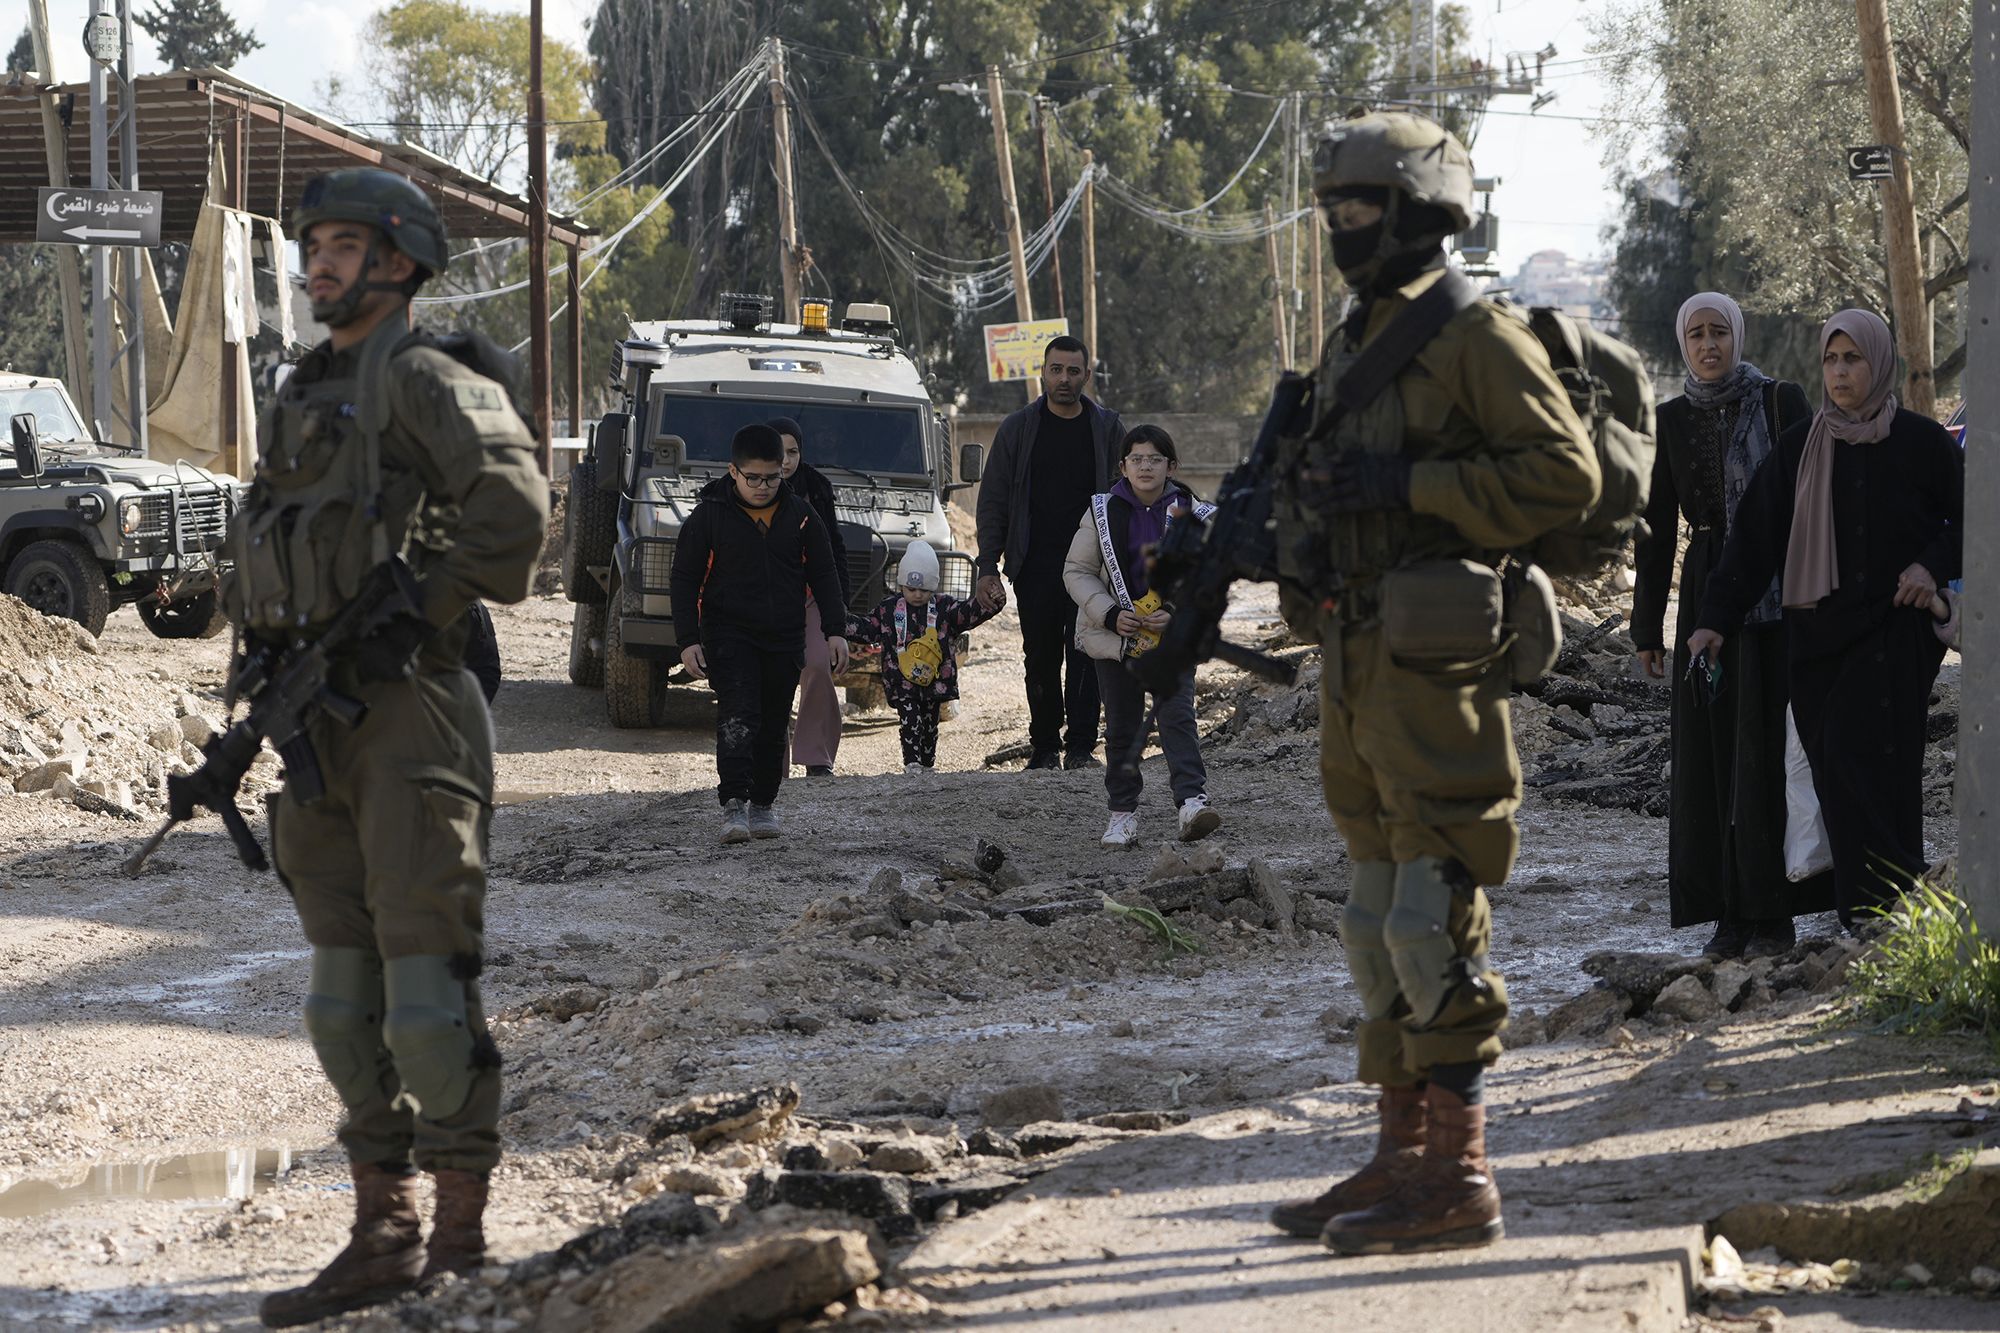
x: 1014, y: 351
x: 1873, y: 162
x: 98, y: 217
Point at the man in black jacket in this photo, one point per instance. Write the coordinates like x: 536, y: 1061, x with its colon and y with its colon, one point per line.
x: 745, y: 558
x: 1048, y: 459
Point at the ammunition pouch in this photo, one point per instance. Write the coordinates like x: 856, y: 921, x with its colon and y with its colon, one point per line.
x: 1533, y: 621
x: 1444, y: 617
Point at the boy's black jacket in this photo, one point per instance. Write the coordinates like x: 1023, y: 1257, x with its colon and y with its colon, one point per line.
x: 731, y: 579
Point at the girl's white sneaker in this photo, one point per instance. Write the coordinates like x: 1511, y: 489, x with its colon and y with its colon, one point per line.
x: 1123, y: 830
x: 1197, y: 820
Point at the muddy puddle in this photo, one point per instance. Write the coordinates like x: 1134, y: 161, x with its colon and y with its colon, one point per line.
x: 218, y: 1176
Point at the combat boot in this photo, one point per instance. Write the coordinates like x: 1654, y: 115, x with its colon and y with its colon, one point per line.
x: 1447, y: 1203
x: 1398, y: 1150
x: 458, y: 1238
x: 383, y: 1257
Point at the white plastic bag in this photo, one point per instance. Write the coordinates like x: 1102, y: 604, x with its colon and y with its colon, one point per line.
x: 1807, y: 852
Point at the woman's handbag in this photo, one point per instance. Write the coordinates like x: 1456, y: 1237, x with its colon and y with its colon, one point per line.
x: 1807, y: 852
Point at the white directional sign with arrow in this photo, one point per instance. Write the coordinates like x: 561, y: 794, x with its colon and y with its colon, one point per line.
x: 98, y: 217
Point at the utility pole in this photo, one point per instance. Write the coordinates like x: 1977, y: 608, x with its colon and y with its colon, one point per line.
x: 788, y: 216
x: 1280, y: 344
x: 137, y: 396
x: 541, y: 372
x: 69, y: 273
x: 1319, y: 284
x: 100, y: 259
x: 1899, y: 215
x: 1090, y: 261
x: 1292, y: 173
x: 1049, y: 194
x: 1979, y: 709
x: 1024, y: 300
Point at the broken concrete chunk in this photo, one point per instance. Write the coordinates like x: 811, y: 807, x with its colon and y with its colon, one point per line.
x: 43, y: 776
x: 992, y: 1143
x: 1140, y: 1122
x: 1022, y: 1104
x: 1644, y: 975
x: 1730, y: 981
x: 879, y: 1196
x: 743, y: 1117
x: 196, y: 729
x: 696, y: 1179
x: 887, y: 881
x: 1271, y: 892
x: 751, y: 1281
x: 1688, y: 1000
x: 873, y: 927
x: 1590, y: 1014
x: 566, y: 1004
x: 968, y: 1195
x: 166, y: 737
x: 908, y: 1157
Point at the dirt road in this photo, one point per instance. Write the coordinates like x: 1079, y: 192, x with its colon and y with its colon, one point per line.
x: 152, y: 1064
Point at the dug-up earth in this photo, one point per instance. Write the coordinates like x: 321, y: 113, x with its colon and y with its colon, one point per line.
x: 904, y: 1067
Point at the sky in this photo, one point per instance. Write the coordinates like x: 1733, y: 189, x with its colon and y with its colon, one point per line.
x: 1555, y: 194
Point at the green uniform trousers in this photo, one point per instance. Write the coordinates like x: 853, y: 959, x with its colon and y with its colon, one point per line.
x: 392, y: 860
x: 1420, y: 765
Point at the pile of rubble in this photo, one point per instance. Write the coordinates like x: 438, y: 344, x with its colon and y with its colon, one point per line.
x: 77, y: 727
x: 739, y: 1212
x: 1671, y: 990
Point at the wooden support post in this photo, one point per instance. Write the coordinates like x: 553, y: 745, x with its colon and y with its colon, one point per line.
x: 781, y: 154
x: 1978, y: 796
x: 539, y: 361
x: 1090, y: 263
x: 1899, y: 215
x: 1280, y: 347
x: 1024, y: 300
x: 69, y: 273
x: 575, y: 331
x: 1049, y: 194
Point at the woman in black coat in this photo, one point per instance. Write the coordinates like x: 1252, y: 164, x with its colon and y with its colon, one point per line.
x: 1863, y: 511
x: 1726, y: 829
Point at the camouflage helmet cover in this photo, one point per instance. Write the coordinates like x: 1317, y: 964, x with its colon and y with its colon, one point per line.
x: 1401, y: 151
x: 382, y: 199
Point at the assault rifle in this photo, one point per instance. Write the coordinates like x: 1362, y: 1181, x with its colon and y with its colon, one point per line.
x: 286, y: 688
x: 1196, y: 562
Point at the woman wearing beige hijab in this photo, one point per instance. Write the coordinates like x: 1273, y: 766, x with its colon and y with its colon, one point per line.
x: 1726, y: 816
x: 1862, y: 511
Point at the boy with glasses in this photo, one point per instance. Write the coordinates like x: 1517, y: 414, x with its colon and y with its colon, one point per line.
x: 745, y: 558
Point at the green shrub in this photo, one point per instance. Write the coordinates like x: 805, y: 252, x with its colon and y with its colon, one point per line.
x: 1930, y: 973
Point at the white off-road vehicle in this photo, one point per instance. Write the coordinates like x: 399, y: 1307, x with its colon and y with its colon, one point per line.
x: 86, y: 527
x: 687, y: 386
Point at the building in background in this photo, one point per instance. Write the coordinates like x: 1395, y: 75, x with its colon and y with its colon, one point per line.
x: 1578, y: 288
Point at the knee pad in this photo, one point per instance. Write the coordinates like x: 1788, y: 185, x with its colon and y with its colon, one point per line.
x: 344, y: 1022
x: 1418, y: 935
x: 429, y: 1033
x: 1361, y: 925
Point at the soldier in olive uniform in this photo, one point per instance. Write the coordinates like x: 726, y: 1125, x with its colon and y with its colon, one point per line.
x: 1473, y: 451
x: 385, y: 443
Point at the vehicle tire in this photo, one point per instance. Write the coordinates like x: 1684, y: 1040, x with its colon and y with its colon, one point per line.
x: 590, y: 530
x: 635, y: 688
x: 586, y: 647
x: 197, y: 617
x: 59, y: 578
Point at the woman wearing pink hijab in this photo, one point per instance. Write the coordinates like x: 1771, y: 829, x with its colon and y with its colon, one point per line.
x: 1726, y: 816
x: 1862, y: 512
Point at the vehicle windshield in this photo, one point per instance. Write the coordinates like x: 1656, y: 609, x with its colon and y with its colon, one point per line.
x: 54, y: 422
x: 877, y: 440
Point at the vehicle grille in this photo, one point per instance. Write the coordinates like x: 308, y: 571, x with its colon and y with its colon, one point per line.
x: 654, y: 564
x: 197, y: 520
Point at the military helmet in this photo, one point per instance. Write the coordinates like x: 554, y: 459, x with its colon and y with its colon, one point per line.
x: 1397, y: 150
x: 382, y: 199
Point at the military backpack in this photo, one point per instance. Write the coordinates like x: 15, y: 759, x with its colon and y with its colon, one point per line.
x: 1608, y: 386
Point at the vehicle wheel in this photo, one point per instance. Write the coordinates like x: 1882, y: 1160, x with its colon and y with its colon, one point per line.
x: 590, y: 530
x: 197, y: 617
x: 635, y: 688
x: 586, y: 647
x: 869, y: 696
x: 58, y: 578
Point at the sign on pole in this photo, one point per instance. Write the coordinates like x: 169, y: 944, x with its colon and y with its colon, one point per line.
x: 1014, y: 351
x: 1871, y: 162
x: 69, y: 216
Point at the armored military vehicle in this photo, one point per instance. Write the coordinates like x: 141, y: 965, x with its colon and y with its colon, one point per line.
x: 686, y: 387
x: 87, y: 527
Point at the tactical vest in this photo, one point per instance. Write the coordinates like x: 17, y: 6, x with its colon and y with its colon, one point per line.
x: 1325, y: 557
x: 323, y: 508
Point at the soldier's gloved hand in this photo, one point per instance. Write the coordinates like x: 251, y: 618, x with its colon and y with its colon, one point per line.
x: 1357, y: 480
x: 390, y: 653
